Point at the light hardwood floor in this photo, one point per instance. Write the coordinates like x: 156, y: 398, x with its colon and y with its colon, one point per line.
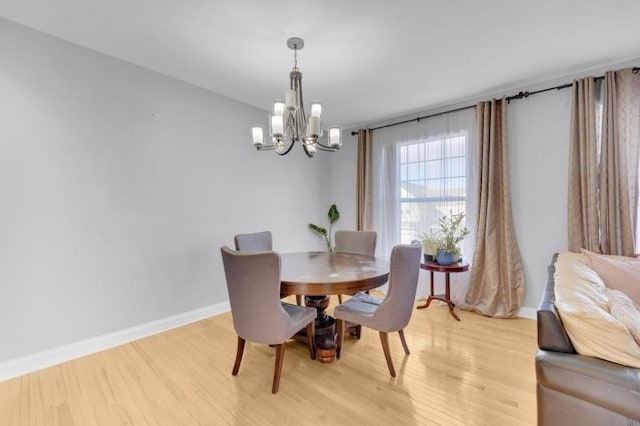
x: 479, y: 371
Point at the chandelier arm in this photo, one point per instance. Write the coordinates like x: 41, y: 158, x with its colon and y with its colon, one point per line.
x: 306, y: 151
x: 285, y: 152
x: 291, y: 131
x: 266, y: 147
x: 301, y: 124
x: 326, y: 147
x: 298, y: 116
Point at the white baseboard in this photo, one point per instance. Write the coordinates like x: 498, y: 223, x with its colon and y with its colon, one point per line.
x: 50, y: 357
x: 39, y: 360
x: 529, y: 313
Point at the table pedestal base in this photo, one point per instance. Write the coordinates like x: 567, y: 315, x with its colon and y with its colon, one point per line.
x: 325, y: 335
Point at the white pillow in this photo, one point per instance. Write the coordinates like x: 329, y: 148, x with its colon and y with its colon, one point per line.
x: 582, y: 300
x: 625, y: 310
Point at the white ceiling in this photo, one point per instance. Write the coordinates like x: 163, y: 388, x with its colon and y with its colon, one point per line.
x: 365, y: 60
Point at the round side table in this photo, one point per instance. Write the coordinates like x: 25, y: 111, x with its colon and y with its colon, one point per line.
x: 433, y: 267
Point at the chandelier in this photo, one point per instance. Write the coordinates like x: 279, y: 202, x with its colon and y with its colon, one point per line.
x: 288, y: 122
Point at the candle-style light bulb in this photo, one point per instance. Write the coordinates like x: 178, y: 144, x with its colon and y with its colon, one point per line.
x: 313, y: 127
x: 290, y: 99
x: 335, y: 137
x: 257, y: 136
x: 277, y: 125
x: 278, y: 108
x: 316, y: 109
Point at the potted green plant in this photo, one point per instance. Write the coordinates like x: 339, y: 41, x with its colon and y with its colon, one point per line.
x: 451, y: 233
x: 430, y: 244
x: 333, y: 215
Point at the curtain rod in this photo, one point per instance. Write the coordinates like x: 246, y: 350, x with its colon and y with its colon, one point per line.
x: 520, y: 95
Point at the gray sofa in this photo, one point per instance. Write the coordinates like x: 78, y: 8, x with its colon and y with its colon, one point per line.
x: 574, y: 389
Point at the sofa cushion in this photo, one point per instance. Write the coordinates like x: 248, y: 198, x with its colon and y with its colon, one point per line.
x: 626, y: 311
x: 582, y: 301
x: 617, y: 272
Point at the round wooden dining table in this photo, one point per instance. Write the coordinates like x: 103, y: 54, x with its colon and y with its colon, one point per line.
x: 316, y: 275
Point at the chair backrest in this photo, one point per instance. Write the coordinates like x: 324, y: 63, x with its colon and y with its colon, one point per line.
x: 396, y: 309
x: 257, y: 241
x: 253, y: 283
x: 356, y: 242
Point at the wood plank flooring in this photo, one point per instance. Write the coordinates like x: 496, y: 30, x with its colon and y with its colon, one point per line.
x: 479, y: 371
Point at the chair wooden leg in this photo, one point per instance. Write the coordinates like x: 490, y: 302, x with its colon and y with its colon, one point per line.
x: 278, y: 367
x: 311, y: 330
x: 404, y: 342
x: 340, y: 338
x: 239, y: 353
x: 384, y: 338
x: 298, y: 300
x: 340, y: 298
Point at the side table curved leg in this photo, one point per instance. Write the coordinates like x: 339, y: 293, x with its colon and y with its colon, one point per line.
x: 453, y: 314
x: 426, y: 303
x: 430, y: 298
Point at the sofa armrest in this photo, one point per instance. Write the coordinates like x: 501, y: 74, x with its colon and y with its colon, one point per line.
x: 551, y: 333
x: 606, y: 384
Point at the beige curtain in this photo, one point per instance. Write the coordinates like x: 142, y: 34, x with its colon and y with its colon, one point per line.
x: 582, y: 204
x: 363, y: 181
x: 603, y: 166
x: 618, y: 183
x: 497, y: 278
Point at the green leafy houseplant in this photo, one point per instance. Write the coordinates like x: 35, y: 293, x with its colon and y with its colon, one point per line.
x: 333, y: 215
x: 430, y: 243
x: 451, y: 233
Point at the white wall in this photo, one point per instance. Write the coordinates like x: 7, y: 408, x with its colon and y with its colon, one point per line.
x: 538, y: 137
x: 118, y: 187
x: 343, y: 181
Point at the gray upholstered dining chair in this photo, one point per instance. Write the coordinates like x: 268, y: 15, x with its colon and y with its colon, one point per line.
x: 392, y: 313
x: 355, y: 242
x: 256, y: 241
x: 258, y: 314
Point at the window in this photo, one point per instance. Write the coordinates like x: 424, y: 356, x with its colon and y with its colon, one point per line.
x: 432, y: 182
x: 421, y: 171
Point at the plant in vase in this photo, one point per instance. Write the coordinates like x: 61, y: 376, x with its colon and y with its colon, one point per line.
x: 430, y: 244
x: 333, y: 215
x: 451, y: 233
